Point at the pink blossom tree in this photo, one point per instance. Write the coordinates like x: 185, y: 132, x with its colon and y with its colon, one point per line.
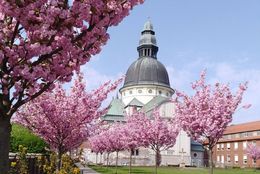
x: 113, y: 139
x: 44, y: 41
x: 64, y: 120
x: 127, y: 136
x: 135, y: 133
x: 161, y: 135
x: 206, y: 114
x: 253, y: 152
x: 97, y: 145
x: 116, y: 140
x: 106, y: 141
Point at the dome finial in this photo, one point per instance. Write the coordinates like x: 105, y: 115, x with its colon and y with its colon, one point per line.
x: 147, y: 43
x: 148, y: 25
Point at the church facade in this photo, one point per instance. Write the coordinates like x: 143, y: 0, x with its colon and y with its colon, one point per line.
x: 146, y: 87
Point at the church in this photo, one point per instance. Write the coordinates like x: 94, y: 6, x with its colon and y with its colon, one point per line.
x: 146, y: 87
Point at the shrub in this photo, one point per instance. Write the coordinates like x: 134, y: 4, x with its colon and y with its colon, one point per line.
x: 22, y: 136
x: 49, y: 165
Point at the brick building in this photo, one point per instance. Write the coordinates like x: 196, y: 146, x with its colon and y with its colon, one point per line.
x: 231, y: 149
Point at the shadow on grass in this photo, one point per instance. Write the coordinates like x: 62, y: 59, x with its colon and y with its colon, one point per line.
x: 170, y: 170
x: 120, y: 169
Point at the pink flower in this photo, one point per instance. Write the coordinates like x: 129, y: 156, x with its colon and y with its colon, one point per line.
x: 206, y: 114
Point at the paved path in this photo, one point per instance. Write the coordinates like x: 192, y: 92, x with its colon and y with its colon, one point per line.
x: 86, y: 169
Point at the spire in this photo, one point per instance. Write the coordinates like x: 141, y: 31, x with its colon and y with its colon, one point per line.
x: 147, y: 43
x: 148, y: 25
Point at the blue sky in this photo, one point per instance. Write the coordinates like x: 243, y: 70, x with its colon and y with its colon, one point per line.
x: 221, y: 36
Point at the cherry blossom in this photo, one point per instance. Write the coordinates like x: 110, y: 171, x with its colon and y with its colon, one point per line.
x: 45, y: 41
x: 161, y: 135
x: 253, y: 152
x: 206, y: 114
x: 65, y: 120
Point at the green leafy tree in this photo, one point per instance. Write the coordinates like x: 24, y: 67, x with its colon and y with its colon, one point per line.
x: 22, y: 136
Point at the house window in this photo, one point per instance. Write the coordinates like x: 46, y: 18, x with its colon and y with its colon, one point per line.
x: 236, y: 159
x: 135, y: 152
x: 228, y: 137
x: 244, y: 134
x: 170, y: 152
x: 222, y: 146
x: 228, y: 146
x: 244, y: 145
x: 160, y: 92
x: 258, y: 133
x: 250, y: 134
x: 218, y: 158
x: 222, y: 159
x: 218, y: 147
x: 233, y: 136
x: 236, y: 145
x: 228, y: 158
x: 245, y: 159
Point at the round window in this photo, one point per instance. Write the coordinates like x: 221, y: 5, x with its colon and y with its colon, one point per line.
x: 150, y: 91
x: 195, y: 155
x: 139, y: 91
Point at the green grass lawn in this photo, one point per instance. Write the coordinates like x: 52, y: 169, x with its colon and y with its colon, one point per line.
x: 171, y: 170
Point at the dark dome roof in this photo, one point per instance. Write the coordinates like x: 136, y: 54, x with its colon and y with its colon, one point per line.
x: 147, y: 70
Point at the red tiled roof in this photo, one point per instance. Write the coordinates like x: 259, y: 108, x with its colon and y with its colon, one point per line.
x: 244, y: 127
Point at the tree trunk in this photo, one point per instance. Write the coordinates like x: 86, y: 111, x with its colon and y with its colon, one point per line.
x: 96, y: 158
x: 107, y: 159
x: 101, y: 160
x: 158, y: 158
x: 5, y: 133
x: 116, y: 160
x: 130, y: 162
x: 210, y: 161
x: 59, y: 160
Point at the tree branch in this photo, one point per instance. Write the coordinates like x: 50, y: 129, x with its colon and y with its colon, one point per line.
x: 14, y: 33
x: 21, y: 102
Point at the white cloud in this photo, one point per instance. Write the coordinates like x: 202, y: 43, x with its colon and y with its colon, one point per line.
x: 228, y: 73
x: 225, y: 73
x: 95, y: 78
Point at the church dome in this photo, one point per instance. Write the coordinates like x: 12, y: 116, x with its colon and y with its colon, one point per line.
x: 147, y: 70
